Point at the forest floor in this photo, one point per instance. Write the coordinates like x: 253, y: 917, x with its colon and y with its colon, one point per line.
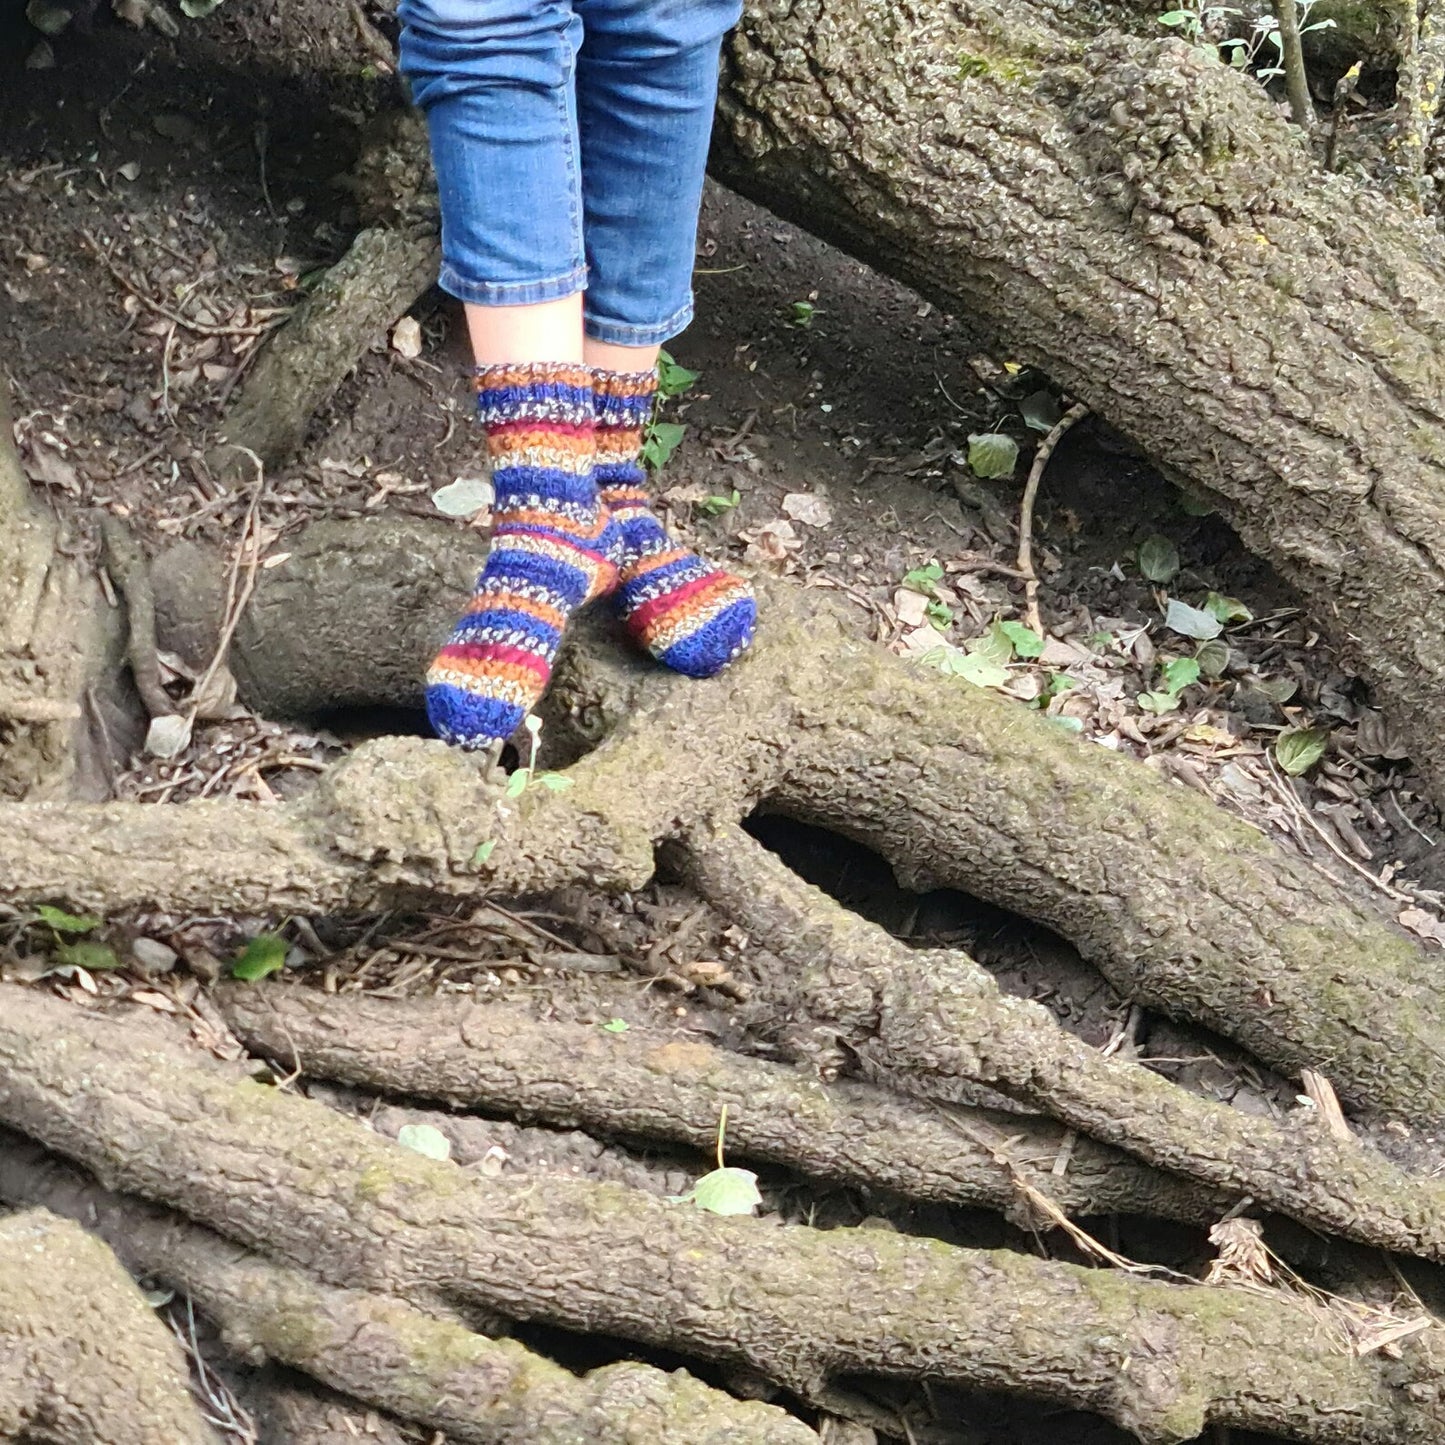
x: 164, y: 205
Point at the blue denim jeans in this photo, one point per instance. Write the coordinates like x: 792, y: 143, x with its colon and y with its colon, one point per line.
x: 569, y: 139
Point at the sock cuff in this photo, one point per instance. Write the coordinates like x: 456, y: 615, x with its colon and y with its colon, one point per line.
x: 623, y: 398
x: 558, y: 392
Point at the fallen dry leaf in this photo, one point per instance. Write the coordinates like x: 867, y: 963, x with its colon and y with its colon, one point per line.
x: 809, y: 508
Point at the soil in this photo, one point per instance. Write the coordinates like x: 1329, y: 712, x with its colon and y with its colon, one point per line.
x: 166, y: 202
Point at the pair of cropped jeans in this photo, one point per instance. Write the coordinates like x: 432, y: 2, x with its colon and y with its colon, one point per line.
x: 569, y: 139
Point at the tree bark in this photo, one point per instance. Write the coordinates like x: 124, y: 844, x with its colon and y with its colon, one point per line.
x: 386, y: 1352
x: 1136, y: 220
x: 641, y: 1085
x: 1182, y: 907
x: 286, y: 1177
x: 83, y: 1358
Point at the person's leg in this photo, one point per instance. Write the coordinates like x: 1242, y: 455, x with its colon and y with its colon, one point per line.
x: 495, y: 78
x: 646, y: 91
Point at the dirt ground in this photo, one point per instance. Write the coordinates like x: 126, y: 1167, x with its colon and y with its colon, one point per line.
x: 165, y: 202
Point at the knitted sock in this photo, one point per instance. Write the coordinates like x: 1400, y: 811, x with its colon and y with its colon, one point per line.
x: 550, y: 552
x: 688, y: 614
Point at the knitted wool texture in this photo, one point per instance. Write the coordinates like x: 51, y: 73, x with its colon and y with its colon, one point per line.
x: 688, y: 614
x: 550, y: 553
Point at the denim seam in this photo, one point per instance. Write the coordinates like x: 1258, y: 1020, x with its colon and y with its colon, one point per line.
x: 512, y: 293
x: 619, y: 333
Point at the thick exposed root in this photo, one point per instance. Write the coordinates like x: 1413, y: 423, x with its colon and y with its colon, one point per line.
x: 375, y: 282
x: 64, y: 716
x: 83, y: 1358
x: 287, y: 1177
x: 930, y: 1018
x: 644, y: 1085
x: 1183, y: 908
x: 387, y: 1352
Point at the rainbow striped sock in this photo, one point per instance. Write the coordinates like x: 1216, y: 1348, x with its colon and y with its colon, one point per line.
x: 689, y: 615
x: 551, y: 542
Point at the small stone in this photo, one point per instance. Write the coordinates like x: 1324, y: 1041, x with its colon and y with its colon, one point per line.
x: 154, y: 957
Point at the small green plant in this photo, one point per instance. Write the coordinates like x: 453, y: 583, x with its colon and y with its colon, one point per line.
x: 725, y: 1190
x: 924, y: 579
x: 527, y: 775
x: 69, y: 946
x: 1297, y: 750
x: 1195, y: 22
x: 1176, y: 674
x: 716, y: 506
x: 664, y: 437
x: 263, y: 955
x: 801, y: 314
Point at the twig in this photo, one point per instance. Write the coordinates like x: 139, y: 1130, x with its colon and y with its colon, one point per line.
x: 201, y: 328
x: 1026, y: 513
x: 1292, y: 57
x: 236, y: 598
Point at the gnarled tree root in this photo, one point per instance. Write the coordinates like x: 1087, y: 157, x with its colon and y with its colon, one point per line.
x: 641, y: 1084
x: 287, y: 1177
x: 1183, y: 908
x: 389, y: 1353
x: 929, y: 1018
x: 379, y: 277
x: 83, y: 1358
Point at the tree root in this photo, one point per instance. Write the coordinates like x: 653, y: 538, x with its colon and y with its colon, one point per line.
x: 63, y: 715
x: 929, y: 1018
x: 83, y: 1359
x: 1066, y: 224
x: 1183, y: 908
x: 389, y: 1353
x: 290, y: 1178
x: 645, y: 1085
x: 375, y: 282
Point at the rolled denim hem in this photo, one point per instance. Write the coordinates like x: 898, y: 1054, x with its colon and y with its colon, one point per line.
x: 617, y: 333
x: 513, y: 293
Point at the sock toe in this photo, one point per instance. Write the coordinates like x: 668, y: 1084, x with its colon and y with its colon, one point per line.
x: 468, y: 719
x: 707, y: 650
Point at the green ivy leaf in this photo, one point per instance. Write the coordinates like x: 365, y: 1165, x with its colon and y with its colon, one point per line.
x: 663, y: 438
x: 992, y: 455
x: 424, y: 1139
x: 672, y: 379
x: 1227, y: 609
x: 615, y: 1026
x: 1158, y: 702
x: 554, y: 782
x: 265, y: 954
x: 1297, y: 750
x: 994, y: 646
x: 1159, y: 559
x: 63, y: 922
x: 484, y: 851
x: 1212, y: 657
x: 1026, y: 642
x: 517, y: 783
x: 725, y: 1191
x: 87, y: 953
x: 1179, y: 673
x: 1040, y: 410
x: 975, y: 668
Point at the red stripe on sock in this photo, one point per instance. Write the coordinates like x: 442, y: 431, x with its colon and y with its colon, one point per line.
x: 496, y: 652
x: 649, y: 612
x: 579, y: 430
